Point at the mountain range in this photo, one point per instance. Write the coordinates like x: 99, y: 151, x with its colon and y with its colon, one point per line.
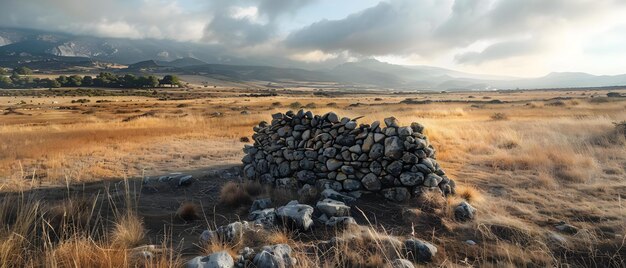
x: 55, y: 51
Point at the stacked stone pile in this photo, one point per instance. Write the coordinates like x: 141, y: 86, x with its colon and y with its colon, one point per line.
x: 329, y: 152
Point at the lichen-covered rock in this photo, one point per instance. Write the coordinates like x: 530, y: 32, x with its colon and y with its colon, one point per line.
x: 261, y: 203
x: 340, y: 222
x: 219, y: 259
x: 419, y: 251
x: 275, y: 256
x: 264, y: 217
x: 232, y: 232
x: 394, y: 147
x: 464, y: 212
x: 334, y: 195
x: 333, y: 208
x: 298, y: 215
x: 397, y: 194
x: 371, y: 182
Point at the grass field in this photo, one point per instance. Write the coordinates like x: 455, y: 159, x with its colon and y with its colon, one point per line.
x: 525, y: 160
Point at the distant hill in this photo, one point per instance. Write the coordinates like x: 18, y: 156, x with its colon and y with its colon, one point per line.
x: 260, y: 73
x: 182, y: 62
x: 58, y: 51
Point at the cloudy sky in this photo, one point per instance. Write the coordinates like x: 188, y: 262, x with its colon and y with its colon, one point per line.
x: 506, y: 37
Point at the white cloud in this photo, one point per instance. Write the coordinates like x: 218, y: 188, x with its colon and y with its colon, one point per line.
x: 313, y: 56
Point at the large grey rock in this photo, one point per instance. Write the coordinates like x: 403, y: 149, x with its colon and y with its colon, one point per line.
x: 376, y: 151
x: 351, y: 185
x: 417, y: 127
x: 394, y: 148
x: 347, y: 170
x: 329, y: 152
x: 371, y: 182
x: 420, y: 251
x: 394, y: 168
x: 332, y: 117
x: 405, y: 131
x: 306, y: 176
x: 297, y: 214
x: 261, y: 203
x: 396, y: 194
x: 391, y: 122
x: 328, y: 184
x: 350, y: 125
x: 378, y: 137
x: 287, y: 183
x: 464, y: 212
x: 277, y: 256
x: 367, y: 143
x: 333, y: 164
x: 232, y: 232
x: 265, y: 217
x: 249, y: 171
x: 332, y: 194
x: 565, y: 227
x: 411, y: 178
x: 333, y: 208
x: 432, y: 180
x: 340, y: 222
x: 376, y: 167
x: 219, y: 259
x: 207, y: 236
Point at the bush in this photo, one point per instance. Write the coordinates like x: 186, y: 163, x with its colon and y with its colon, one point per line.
x: 276, y: 104
x: 499, y: 116
x: 233, y: 194
x: 81, y: 101
x: 331, y: 104
x: 187, y: 211
x: 310, y: 105
x: 295, y: 105
x: 613, y: 94
x: 557, y: 103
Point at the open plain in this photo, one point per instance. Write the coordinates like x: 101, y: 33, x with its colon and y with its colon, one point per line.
x: 74, y: 170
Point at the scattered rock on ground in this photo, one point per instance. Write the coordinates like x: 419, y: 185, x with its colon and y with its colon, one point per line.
x: 299, y: 215
x: 216, y: 260
x: 464, y: 212
x: 275, y: 256
x: 419, y: 251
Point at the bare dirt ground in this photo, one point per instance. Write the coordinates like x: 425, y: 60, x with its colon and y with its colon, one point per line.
x: 527, y: 160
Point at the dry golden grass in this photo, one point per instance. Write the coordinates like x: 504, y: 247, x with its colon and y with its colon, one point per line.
x: 188, y: 211
x: 546, y: 163
x: 128, y: 232
x: 234, y: 194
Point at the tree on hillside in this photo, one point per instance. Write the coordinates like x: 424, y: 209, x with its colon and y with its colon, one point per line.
x: 3, y: 71
x: 74, y: 81
x: 15, y: 78
x: 87, y: 81
x: 5, y: 82
x: 153, y: 81
x: 129, y: 80
x: 171, y: 80
x: 23, y: 70
x: 62, y: 80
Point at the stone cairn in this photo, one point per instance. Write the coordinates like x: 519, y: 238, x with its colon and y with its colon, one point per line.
x: 342, y: 159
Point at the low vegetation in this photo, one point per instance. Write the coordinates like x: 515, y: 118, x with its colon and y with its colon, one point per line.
x: 103, y: 80
x: 63, y: 202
